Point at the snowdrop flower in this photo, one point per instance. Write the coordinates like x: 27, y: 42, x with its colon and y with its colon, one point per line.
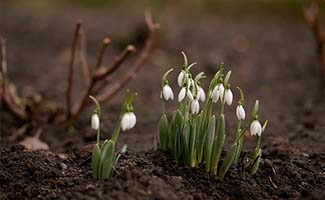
x: 195, y: 106
x: 167, y: 93
x: 256, y: 128
x: 95, y: 121
x: 180, y: 78
x: 228, y: 97
x: 217, y: 92
x: 128, y: 121
x: 240, y: 112
x: 181, y: 94
x: 201, y: 94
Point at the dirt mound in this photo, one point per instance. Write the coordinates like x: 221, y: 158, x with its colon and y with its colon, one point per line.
x: 154, y: 175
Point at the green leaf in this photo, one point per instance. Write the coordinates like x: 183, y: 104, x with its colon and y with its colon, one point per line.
x: 218, y: 144
x: 255, y: 110
x: 200, y: 136
x: 256, y: 162
x: 95, y: 159
x: 163, y: 133
x: 228, y: 160
x: 185, y: 142
x: 209, y: 142
x: 239, y: 149
x: 193, y: 137
x: 106, y: 159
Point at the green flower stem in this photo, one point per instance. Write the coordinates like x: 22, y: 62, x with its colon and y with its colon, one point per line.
x: 98, y: 135
x: 117, y: 130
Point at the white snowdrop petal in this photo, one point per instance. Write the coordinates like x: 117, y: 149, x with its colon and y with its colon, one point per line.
x: 259, y: 129
x: 180, y: 78
x: 242, y: 112
x: 195, y: 106
x: 201, y: 94
x: 228, y: 97
x: 171, y: 93
x: 95, y: 122
x: 181, y: 94
x: 133, y: 120
x: 125, y: 122
x: 221, y: 90
x: 190, y: 95
x: 215, y: 94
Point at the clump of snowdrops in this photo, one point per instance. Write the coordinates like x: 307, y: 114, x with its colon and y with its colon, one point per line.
x: 104, y: 158
x: 196, y: 135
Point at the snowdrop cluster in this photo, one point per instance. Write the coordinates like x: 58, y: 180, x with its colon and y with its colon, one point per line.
x: 104, y: 159
x: 194, y: 134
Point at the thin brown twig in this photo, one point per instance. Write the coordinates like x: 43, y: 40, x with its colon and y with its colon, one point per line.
x: 101, y: 52
x: 4, y: 92
x: 313, y: 16
x: 118, y: 61
x: 71, y: 67
x: 83, y: 57
x: 148, y: 47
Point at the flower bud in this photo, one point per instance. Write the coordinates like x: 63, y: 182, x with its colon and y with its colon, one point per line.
x: 256, y: 128
x: 240, y: 112
x: 195, y: 106
x: 95, y: 121
x: 167, y: 93
x: 228, y: 97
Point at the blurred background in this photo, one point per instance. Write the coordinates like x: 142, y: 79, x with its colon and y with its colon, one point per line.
x: 265, y: 43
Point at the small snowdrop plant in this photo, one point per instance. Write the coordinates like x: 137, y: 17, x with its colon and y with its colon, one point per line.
x: 195, y: 135
x: 104, y: 158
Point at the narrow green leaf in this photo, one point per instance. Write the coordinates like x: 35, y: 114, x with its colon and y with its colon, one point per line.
x: 95, y: 158
x: 228, y: 160
x: 107, y: 158
x: 256, y: 162
x: 255, y: 109
x: 193, y: 138
x: 185, y: 142
x: 209, y: 142
x: 218, y: 144
x: 163, y: 133
x: 239, y: 149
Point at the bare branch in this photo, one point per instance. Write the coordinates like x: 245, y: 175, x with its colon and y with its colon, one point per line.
x: 3, y: 69
x: 100, y: 74
x: 148, y: 48
x: 313, y: 16
x: 83, y: 57
x: 4, y: 92
x: 71, y: 67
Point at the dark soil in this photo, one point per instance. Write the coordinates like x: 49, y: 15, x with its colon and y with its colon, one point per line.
x: 271, y: 56
x: 153, y: 175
